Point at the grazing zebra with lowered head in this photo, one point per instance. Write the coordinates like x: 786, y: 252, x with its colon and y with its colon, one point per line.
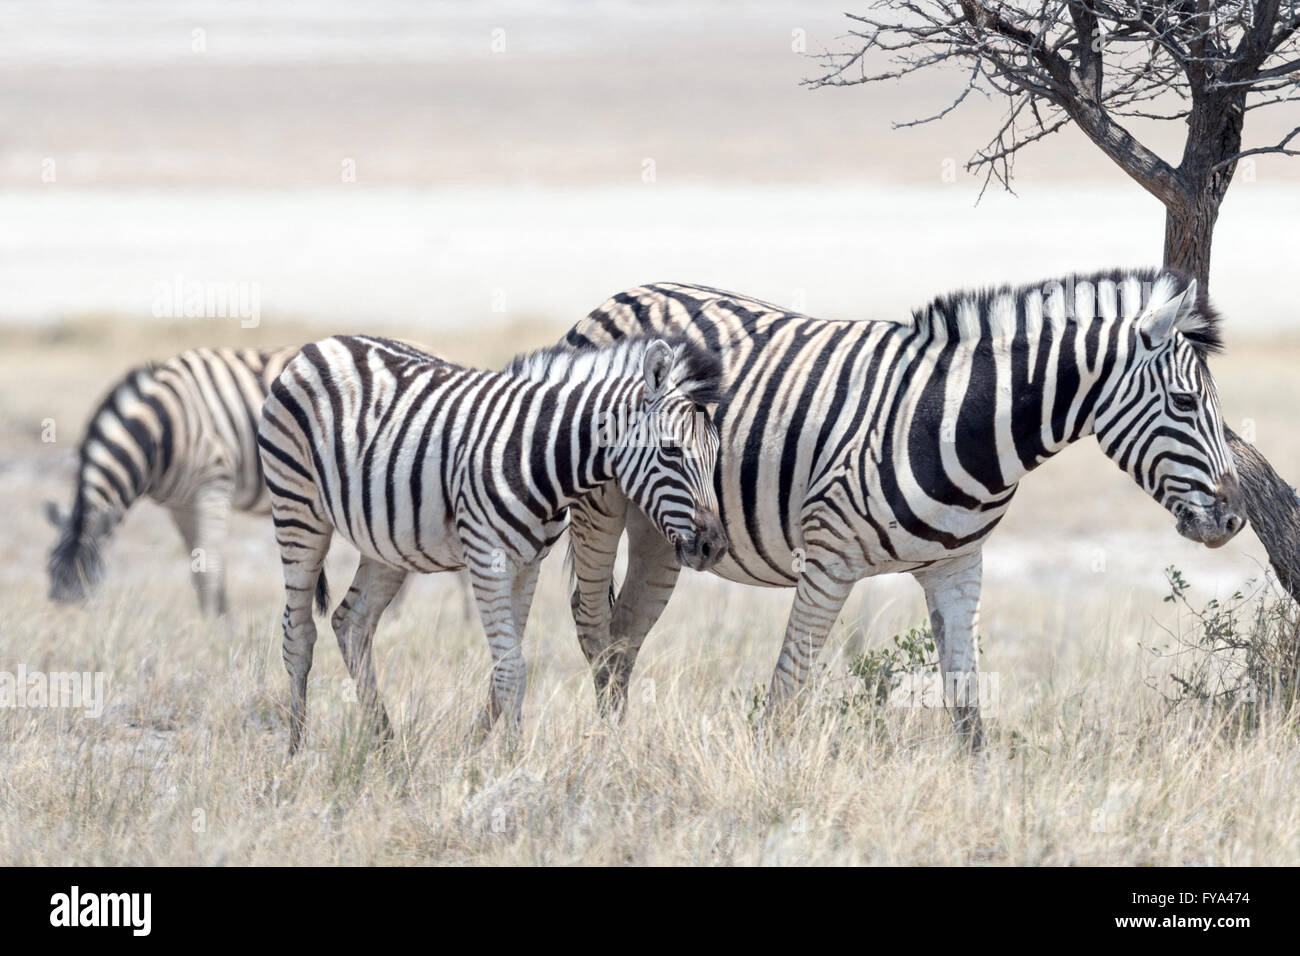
x: 184, y: 433
x: 851, y: 449
x: 426, y: 466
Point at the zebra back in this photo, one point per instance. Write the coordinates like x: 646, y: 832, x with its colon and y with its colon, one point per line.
x: 921, y: 428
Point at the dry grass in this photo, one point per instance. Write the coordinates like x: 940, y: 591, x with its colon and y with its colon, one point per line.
x: 187, y: 764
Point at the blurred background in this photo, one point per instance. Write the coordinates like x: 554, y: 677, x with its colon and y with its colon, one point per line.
x: 477, y: 176
x: 442, y: 163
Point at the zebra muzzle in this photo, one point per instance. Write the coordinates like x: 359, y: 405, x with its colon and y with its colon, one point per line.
x: 1215, y: 525
x: 705, y: 547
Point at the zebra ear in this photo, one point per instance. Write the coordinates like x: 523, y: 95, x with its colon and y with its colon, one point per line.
x: 54, y: 514
x: 656, y: 366
x: 1159, y: 323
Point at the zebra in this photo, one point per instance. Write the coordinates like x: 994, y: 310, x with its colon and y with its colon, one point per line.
x: 856, y: 448
x: 426, y: 466
x: 184, y: 433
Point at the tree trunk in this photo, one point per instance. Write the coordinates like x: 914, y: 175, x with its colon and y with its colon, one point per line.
x: 1214, y: 135
x: 1189, y: 235
x: 1273, y: 509
x: 1214, y: 129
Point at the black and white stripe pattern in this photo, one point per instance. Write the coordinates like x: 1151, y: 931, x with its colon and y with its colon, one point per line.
x: 851, y: 449
x: 184, y: 433
x: 426, y: 466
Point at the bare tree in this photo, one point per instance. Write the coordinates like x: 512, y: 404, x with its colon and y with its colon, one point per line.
x: 1099, y: 65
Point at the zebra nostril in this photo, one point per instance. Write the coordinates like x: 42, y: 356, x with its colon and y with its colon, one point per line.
x: 1235, y: 523
x: 705, y: 550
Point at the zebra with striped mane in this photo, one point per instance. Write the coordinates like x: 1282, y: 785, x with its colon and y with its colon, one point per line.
x: 426, y: 466
x: 856, y: 448
x: 184, y: 433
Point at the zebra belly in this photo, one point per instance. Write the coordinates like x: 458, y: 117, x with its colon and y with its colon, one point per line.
x: 397, y: 512
x: 762, y: 552
x: 426, y: 553
x: 747, y: 563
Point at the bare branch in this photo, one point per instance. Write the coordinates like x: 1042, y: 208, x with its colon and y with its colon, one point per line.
x: 1094, y: 63
x: 970, y: 86
x: 1280, y: 149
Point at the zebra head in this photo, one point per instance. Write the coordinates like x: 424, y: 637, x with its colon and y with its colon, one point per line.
x: 1160, y: 421
x: 75, y: 565
x: 666, y: 462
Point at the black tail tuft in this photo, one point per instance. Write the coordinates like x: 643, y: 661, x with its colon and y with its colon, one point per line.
x: 322, y: 594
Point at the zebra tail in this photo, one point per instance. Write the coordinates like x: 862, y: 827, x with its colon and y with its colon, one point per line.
x: 571, y: 568
x: 322, y: 594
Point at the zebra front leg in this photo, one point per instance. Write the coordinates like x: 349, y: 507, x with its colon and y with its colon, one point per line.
x: 521, y: 596
x: 824, y: 585
x: 465, y: 588
x: 952, y: 594
x: 595, y: 527
x: 354, y: 621
x: 202, y: 521
x: 652, y: 571
x: 497, y: 593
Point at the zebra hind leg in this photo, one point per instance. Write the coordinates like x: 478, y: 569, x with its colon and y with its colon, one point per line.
x: 303, y: 558
x: 354, y: 623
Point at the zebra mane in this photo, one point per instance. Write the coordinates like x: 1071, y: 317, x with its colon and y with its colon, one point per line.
x: 993, y: 310
x: 133, y: 379
x: 696, y: 372
x: 76, y: 562
x: 71, y: 555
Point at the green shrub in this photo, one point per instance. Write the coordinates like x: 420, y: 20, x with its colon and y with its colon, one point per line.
x: 1241, y: 655
x: 875, y: 674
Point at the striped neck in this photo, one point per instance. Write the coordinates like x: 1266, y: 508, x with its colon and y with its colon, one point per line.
x: 584, y: 454
x: 121, y: 458
x: 599, y: 392
x: 1018, y: 377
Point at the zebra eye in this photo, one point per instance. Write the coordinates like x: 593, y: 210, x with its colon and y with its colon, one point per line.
x: 671, y: 451
x: 1183, y: 401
